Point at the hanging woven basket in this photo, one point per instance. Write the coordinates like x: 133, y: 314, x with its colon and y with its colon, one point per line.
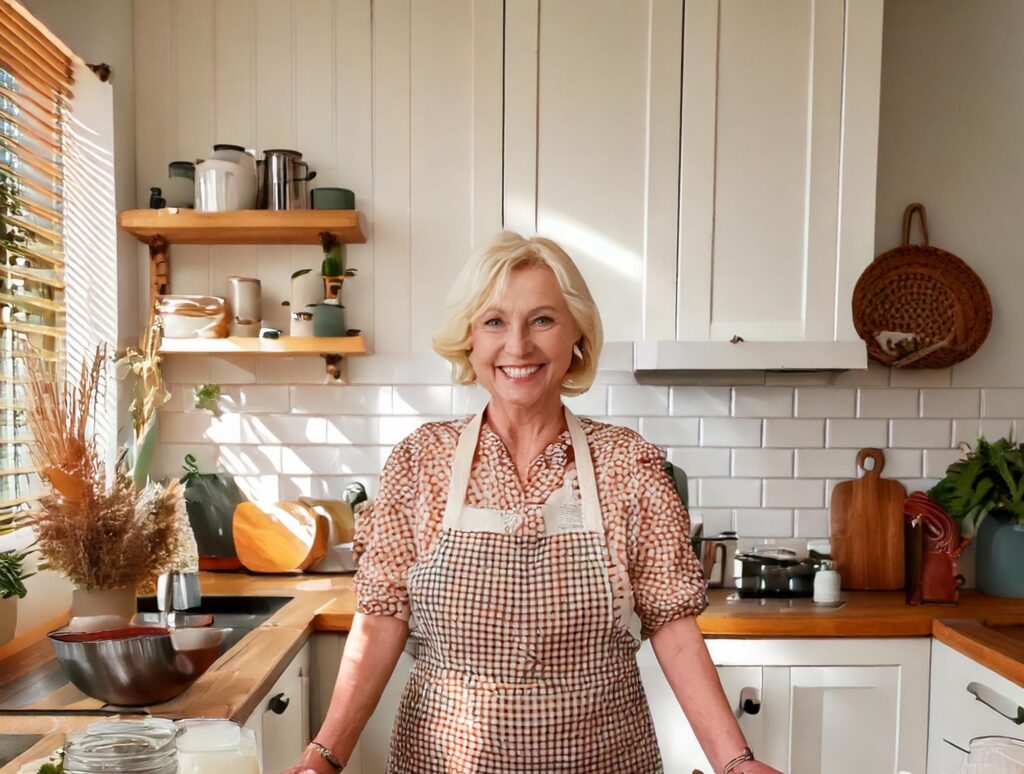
x: 921, y: 307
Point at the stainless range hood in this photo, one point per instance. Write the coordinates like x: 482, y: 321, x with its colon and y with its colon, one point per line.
x: 667, y: 357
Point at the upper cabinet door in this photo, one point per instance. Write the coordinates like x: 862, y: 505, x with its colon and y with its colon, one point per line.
x: 778, y: 157
x: 592, y: 101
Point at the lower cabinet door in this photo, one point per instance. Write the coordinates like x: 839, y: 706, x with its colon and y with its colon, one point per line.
x: 281, y: 721
x: 680, y: 750
x: 844, y: 719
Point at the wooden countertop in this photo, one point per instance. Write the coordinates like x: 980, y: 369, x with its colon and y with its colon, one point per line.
x: 31, y: 682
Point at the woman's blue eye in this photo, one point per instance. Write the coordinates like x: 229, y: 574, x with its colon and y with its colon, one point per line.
x: 492, y: 322
x: 543, y: 320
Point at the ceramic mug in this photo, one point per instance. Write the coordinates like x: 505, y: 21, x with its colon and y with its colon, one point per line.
x: 329, y: 320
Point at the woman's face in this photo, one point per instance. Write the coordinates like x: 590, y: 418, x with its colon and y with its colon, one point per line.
x: 521, y: 344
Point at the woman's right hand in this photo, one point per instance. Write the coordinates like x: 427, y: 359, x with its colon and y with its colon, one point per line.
x: 310, y: 762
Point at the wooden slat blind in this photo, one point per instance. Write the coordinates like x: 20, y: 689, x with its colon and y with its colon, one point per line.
x: 35, y: 86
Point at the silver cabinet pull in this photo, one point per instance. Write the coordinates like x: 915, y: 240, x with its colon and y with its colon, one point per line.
x: 997, y: 702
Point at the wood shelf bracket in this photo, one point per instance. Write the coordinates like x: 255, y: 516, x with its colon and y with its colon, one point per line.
x: 159, y: 268
x: 335, y: 365
x: 328, y: 241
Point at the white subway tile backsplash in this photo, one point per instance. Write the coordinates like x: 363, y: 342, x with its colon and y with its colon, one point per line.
x: 797, y: 378
x: 169, y: 458
x: 701, y: 401
x: 199, y: 426
x: 920, y: 433
x: 715, y: 520
x: 968, y: 430
x: 255, y: 399
x: 764, y: 522
x: 257, y: 488
x: 762, y: 463
x: 921, y: 377
x: 937, y: 460
x: 671, y: 431
x: 249, y: 460
x: 416, y: 399
x: 233, y: 369
x: 282, y: 429
x: 340, y: 399
x: 319, y: 487
x: 902, y: 463
x: 331, y: 460
x: 186, y: 369
x: 698, y: 463
x: 592, y: 403
x: 471, y: 398
x: 633, y: 423
x: 634, y: 400
x: 762, y: 402
x: 825, y: 463
x: 794, y: 493
x: 794, y: 433
x: 731, y: 492
x: 950, y: 403
x: 352, y: 430
x: 293, y: 370
x: 811, y: 523
x: 886, y: 404
x: 1002, y: 403
x: 615, y: 377
x: 616, y: 356
x: 730, y: 432
x: 399, y: 368
x: 857, y: 433
x: 393, y: 430
x: 825, y: 401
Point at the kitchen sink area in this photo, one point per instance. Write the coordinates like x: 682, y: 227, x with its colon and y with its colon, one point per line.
x: 13, y: 745
x: 239, y: 614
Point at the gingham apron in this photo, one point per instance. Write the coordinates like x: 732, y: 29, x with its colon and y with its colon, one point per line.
x: 522, y: 666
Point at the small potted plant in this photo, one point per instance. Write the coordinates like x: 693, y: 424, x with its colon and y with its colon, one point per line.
x: 984, y: 491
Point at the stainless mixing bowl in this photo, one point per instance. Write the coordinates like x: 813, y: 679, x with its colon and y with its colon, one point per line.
x: 139, y: 665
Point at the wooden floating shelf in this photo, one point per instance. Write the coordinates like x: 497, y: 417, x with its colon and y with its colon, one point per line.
x: 285, y: 345
x: 242, y: 227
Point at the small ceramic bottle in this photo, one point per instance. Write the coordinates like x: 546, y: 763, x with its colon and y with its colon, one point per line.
x: 826, y: 584
x: 244, y: 297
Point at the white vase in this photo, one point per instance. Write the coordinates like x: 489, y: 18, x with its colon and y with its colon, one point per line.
x: 307, y: 289
x: 90, y: 602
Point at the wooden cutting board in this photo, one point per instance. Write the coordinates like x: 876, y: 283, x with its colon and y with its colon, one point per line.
x: 866, y: 521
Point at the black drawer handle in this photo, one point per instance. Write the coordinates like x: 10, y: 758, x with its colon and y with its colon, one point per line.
x: 278, y: 704
x: 997, y: 702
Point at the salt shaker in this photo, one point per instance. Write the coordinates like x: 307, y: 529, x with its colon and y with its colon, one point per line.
x: 826, y: 584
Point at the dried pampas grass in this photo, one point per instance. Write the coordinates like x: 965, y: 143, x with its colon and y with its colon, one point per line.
x: 98, y: 530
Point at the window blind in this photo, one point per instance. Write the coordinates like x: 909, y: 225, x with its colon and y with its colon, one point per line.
x: 35, y: 89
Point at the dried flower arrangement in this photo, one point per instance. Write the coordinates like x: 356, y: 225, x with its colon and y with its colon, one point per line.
x: 102, y: 532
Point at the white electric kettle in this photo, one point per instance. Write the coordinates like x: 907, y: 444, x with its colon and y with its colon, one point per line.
x: 223, y: 185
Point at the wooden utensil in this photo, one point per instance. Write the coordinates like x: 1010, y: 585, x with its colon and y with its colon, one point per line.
x: 866, y: 521
x: 279, y: 537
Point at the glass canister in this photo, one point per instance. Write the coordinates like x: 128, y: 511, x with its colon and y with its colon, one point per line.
x: 995, y: 755
x: 145, y: 746
x: 215, y: 746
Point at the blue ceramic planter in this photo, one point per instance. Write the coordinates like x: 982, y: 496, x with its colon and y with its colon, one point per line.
x: 999, y: 555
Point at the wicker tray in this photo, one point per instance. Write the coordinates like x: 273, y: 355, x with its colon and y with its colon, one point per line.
x: 917, y: 306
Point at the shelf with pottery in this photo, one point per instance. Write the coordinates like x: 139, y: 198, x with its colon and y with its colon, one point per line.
x: 161, y: 228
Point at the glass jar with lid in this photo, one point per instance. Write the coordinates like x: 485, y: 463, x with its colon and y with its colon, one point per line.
x: 215, y: 746
x: 145, y: 746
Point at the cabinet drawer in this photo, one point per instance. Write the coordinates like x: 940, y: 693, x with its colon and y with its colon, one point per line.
x: 970, y: 700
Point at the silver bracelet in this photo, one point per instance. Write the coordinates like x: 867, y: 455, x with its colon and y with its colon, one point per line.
x: 743, y: 757
x: 327, y: 755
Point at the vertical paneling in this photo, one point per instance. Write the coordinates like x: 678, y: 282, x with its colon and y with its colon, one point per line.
x: 487, y: 74
x: 441, y: 139
x: 760, y: 184
x: 276, y: 106
x: 314, y: 88
x: 861, y: 94
x: 521, y: 54
x: 661, y: 202
x: 194, y: 60
x: 233, y: 76
x: 353, y: 141
x: 392, y: 173
x: 822, y: 208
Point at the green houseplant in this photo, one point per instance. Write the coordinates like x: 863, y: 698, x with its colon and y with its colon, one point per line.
x: 984, y: 491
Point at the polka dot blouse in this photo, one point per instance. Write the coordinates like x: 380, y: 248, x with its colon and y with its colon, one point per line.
x: 646, y: 525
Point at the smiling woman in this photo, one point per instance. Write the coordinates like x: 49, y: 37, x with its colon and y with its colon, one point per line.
x: 525, y: 553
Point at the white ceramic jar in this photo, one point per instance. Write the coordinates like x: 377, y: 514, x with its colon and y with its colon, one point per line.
x: 246, y: 311
x: 214, y: 746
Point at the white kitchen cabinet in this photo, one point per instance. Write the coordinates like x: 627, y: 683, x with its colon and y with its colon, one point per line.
x: 967, y: 700
x: 825, y: 706
x: 281, y: 719
x: 779, y: 135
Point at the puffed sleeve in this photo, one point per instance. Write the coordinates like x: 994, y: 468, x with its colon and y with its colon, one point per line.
x: 664, y: 571
x: 384, y: 543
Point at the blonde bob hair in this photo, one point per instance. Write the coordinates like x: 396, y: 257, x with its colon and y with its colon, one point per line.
x: 484, y: 277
